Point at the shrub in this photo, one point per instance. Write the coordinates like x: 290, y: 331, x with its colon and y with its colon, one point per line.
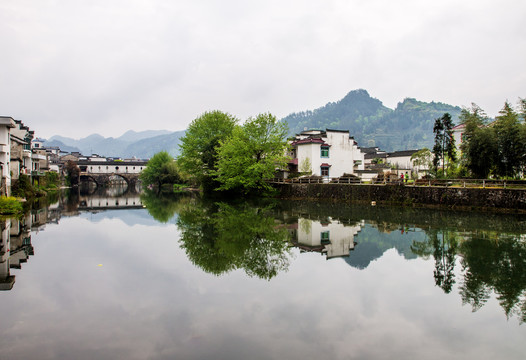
x: 10, y: 205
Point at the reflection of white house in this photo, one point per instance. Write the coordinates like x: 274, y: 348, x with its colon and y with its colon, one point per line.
x: 331, y: 238
x: 329, y: 153
x: 6, y: 279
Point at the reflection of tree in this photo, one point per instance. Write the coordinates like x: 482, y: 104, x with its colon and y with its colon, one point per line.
x: 443, y: 246
x: 222, y: 237
x: 495, y: 262
x: 162, y: 207
x: 491, y: 262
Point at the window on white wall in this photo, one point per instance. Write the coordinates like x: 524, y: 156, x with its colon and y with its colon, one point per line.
x: 324, y: 171
x: 324, y: 152
x: 325, y: 237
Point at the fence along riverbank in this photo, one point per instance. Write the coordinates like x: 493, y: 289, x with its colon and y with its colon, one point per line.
x: 459, y: 194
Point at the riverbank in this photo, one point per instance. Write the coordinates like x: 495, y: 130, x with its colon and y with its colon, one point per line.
x: 485, y: 199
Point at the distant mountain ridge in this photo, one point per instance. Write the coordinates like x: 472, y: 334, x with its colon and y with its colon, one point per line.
x: 142, y: 144
x: 408, y: 126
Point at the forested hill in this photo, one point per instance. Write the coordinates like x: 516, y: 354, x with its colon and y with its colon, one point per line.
x: 409, y: 126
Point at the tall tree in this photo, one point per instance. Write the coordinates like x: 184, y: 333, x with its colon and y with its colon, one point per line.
x: 510, y: 145
x: 481, y: 153
x: 252, y: 154
x: 200, y: 144
x: 444, y: 142
x: 478, y: 147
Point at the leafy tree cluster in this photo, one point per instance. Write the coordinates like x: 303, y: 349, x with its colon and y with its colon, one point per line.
x: 72, y: 173
x: 497, y: 148
x: 161, y: 169
x: 406, y: 127
x: 219, y: 154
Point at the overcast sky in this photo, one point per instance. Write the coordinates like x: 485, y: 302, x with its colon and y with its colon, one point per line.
x: 76, y: 67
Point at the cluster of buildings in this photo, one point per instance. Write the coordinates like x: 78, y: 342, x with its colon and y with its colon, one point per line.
x: 17, y: 155
x: 22, y: 153
x: 334, y: 154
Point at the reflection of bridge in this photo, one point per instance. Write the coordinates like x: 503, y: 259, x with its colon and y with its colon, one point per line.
x: 103, y: 179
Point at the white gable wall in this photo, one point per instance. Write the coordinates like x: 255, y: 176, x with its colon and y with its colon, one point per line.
x: 342, y: 154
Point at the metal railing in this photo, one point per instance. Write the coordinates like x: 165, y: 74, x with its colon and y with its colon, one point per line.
x: 458, y: 183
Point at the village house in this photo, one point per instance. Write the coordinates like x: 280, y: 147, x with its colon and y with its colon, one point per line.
x: 458, y: 133
x: 6, y: 124
x: 329, y: 153
x: 16, y: 165
x: 21, y: 155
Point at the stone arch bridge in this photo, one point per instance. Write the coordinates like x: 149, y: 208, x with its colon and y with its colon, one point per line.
x: 101, y: 172
x: 104, y: 179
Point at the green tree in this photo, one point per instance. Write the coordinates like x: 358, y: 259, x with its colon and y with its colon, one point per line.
x: 306, y: 166
x: 72, y: 173
x: 422, y: 158
x: 481, y: 152
x: 161, y: 169
x: 479, y: 147
x: 444, y: 142
x: 251, y: 155
x: 510, y: 144
x: 522, y: 110
x: 199, y: 146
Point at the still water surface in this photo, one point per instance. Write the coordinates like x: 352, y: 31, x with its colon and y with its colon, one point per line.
x: 111, y: 276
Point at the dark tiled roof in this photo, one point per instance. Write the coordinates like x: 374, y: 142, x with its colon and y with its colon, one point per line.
x: 401, y: 153
x: 309, y: 141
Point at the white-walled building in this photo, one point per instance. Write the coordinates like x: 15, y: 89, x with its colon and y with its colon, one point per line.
x: 6, y: 124
x: 329, y: 153
x: 21, y: 138
x: 458, y: 132
x: 401, y: 159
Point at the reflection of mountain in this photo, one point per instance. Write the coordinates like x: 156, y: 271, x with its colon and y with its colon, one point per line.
x: 130, y: 217
x: 372, y: 243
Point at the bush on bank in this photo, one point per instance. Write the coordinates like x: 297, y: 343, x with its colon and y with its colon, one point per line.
x: 10, y: 206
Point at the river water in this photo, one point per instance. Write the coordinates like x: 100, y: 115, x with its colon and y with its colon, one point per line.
x: 128, y: 276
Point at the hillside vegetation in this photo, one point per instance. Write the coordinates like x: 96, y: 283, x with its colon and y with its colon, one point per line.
x: 409, y: 126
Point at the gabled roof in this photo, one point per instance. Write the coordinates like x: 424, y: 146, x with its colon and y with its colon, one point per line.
x: 375, y: 155
x: 342, y: 131
x: 17, y: 139
x: 401, y: 153
x: 309, y: 141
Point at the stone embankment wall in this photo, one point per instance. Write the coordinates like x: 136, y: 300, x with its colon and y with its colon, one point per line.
x: 452, y: 197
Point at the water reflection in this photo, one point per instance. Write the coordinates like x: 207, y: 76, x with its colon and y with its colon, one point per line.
x: 328, y: 237
x: 476, y: 256
x: 220, y: 237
